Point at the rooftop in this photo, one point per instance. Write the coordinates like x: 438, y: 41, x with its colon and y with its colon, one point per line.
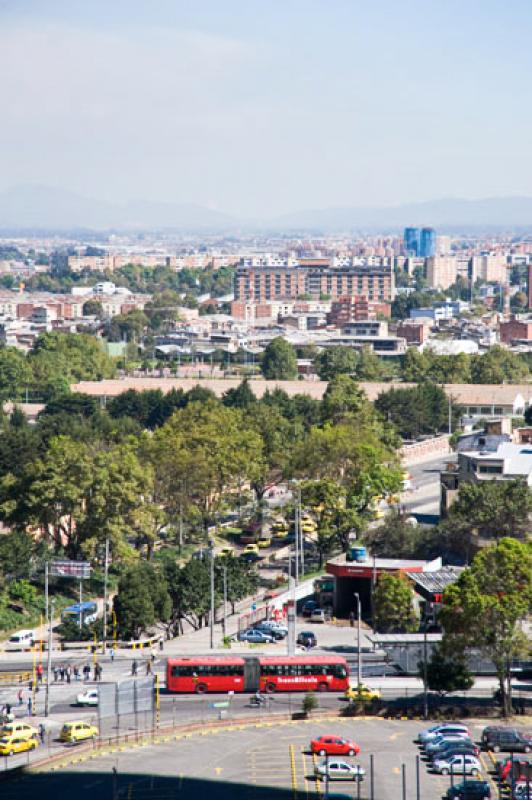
x: 436, y: 581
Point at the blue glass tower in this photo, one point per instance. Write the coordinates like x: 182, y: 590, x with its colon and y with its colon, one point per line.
x: 427, y: 243
x: 411, y: 241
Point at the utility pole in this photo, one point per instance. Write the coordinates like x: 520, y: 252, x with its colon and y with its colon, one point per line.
x: 359, y: 656
x: 80, y: 602
x: 425, y: 679
x: 225, y: 598
x: 301, y: 533
x: 105, y: 574
x: 212, y: 593
x: 296, y: 528
x: 49, y: 663
x: 46, y: 612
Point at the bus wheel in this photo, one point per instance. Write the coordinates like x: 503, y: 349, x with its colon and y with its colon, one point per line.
x: 201, y: 688
x: 270, y: 687
x: 322, y: 687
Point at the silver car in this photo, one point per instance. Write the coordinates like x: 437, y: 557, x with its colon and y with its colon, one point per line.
x: 338, y: 770
x: 458, y: 765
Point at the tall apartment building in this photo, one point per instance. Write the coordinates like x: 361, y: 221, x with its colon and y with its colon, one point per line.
x: 491, y: 268
x: 315, y: 278
x: 441, y: 271
x: 411, y: 241
x: 427, y: 243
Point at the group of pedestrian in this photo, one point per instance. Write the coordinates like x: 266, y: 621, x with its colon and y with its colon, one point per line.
x: 62, y: 672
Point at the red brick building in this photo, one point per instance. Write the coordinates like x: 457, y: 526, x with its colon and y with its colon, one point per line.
x: 515, y: 329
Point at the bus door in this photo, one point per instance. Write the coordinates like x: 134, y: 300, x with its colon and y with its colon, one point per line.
x: 251, y: 674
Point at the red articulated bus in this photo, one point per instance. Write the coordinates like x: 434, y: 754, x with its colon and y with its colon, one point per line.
x: 257, y: 673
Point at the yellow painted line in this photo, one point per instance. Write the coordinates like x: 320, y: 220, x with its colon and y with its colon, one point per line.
x: 305, y: 782
x: 293, y: 769
x: 318, y: 780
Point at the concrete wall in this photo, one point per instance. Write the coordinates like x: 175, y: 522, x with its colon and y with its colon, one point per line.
x: 426, y: 450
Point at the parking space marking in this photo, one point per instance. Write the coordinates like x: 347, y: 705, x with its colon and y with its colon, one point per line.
x: 305, y: 781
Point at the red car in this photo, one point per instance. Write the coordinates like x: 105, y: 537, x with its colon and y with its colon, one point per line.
x: 334, y: 746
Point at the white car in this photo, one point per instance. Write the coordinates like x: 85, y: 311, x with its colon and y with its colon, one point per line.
x: 444, y: 729
x: 88, y: 698
x: 339, y: 770
x: 458, y: 765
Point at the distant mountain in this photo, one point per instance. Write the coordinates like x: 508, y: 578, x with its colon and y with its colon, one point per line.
x: 450, y: 213
x: 45, y: 207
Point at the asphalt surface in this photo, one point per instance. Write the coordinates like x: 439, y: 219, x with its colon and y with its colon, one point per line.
x: 258, y: 762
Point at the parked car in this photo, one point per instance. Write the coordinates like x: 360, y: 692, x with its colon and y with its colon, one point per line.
x: 456, y: 749
x: 19, y: 729
x: 441, y: 742
x: 459, y: 765
x: 264, y: 541
x: 274, y: 624
x: 276, y: 633
x: 508, y: 739
x: 337, y: 770
x: 469, y: 790
x: 308, y: 607
x: 486, y: 733
x: 77, y: 731
x: 307, y: 638
x: 254, y: 636
x: 251, y: 548
x: 361, y: 693
x: 334, y: 746
x: 444, y: 727
x: 88, y: 698
x: 226, y: 552
x: 9, y: 745
x: 318, y: 615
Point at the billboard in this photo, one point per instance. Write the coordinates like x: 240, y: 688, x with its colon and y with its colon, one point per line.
x: 71, y: 569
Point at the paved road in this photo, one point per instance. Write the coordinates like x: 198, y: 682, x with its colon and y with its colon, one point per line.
x: 258, y: 763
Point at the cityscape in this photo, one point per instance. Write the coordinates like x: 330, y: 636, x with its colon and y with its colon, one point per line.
x: 266, y: 386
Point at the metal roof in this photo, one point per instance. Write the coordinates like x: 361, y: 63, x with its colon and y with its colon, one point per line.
x: 435, y: 582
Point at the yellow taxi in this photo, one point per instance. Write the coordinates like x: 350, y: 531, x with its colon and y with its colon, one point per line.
x: 226, y: 552
x: 362, y: 693
x: 9, y: 745
x: 308, y: 526
x: 264, y: 541
x: 251, y: 548
x: 19, y: 729
x: 77, y: 731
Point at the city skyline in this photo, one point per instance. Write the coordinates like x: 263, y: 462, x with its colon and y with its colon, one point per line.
x: 258, y: 113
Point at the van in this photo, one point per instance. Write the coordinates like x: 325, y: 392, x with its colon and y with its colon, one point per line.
x: 21, y: 640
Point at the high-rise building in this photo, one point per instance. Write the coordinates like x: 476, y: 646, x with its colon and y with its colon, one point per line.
x: 441, y: 271
x: 411, y: 241
x: 427, y: 243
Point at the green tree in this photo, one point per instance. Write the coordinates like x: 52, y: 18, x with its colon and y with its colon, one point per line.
x: 394, y: 538
x: 420, y: 410
x: 491, y: 510
x: 134, y: 605
x: 127, y: 327
x: 393, y: 606
x: 335, y: 361
x: 15, y: 374
x: 93, y: 308
x: 446, y: 672
x: 498, y: 366
x: 202, y: 453
x: 487, y: 606
x: 279, y: 361
x: 241, y: 397
x: 370, y: 367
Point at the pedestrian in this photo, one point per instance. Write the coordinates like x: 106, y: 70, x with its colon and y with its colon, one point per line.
x: 42, y: 732
x: 8, y: 709
x: 153, y: 654
x: 56, y: 674
x: 148, y: 667
x: 30, y: 706
x: 39, y: 673
x: 86, y: 672
x: 112, y: 654
x: 161, y: 644
x: 97, y: 672
x: 134, y: 667
x: 68, y: 673
x: 76, y: 672
x: 62, y: 672
x: 20, y: 696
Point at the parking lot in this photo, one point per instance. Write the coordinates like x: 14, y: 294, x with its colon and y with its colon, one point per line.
x: 254, y: 763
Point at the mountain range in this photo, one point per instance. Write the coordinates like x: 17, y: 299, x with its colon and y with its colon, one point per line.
x: 44, y: 207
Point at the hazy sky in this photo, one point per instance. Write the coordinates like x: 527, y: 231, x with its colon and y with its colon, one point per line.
x: 258, y: 107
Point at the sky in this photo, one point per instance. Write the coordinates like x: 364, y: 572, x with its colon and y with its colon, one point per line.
x: 259, y: 108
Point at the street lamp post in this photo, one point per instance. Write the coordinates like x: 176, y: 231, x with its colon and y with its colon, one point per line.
x: 49, y: 662
x: 212, y: 594
x: 425, y: 679
x: 225, y: 598
x: 359, y: 655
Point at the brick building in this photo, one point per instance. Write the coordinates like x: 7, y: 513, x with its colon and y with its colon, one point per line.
x: 515, y: 329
